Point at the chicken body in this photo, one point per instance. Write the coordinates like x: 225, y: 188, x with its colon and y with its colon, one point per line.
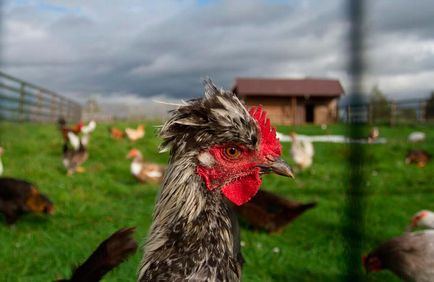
x: 410, y: 257
x: 135, y: 134
x: 373, y: 135
x: 195, y: 235
x: 423, y: 219
x: 18, y: 197
x: 269, y: 212
x: 418, y: 157
x: 145, y: 172
x: 75, y: 152
x: 1, y: 162
x: 116, y: 133
x: 302, y: 152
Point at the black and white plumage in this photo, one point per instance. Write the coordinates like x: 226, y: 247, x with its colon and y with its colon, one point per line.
x: 194, y: 235
x: 75, y: 152
x: 410, y: 257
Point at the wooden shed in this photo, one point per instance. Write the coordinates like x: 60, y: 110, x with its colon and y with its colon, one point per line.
x: 292, y: 101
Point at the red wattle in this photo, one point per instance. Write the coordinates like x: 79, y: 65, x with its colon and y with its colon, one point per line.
x: 243, y: 189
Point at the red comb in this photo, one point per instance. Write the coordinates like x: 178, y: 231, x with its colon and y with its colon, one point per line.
x: 269, y: 143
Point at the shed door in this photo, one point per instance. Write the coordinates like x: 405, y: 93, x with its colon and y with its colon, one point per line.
x: 310, y: 113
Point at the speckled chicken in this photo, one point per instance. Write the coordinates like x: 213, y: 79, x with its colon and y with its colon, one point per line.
x: 270, y: 212
x: 109, y: 254
x: 410, y: 257
x: 18, y: 197
x: 218, y: 152
x: 145, y: 172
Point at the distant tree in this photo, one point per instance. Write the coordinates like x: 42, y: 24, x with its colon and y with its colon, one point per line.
x: 380, y: 106
x: 430, y: 107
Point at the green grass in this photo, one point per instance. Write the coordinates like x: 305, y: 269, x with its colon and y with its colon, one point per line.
x: 92, y: 205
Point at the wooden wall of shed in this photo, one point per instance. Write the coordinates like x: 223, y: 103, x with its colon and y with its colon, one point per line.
x: 280, y: 110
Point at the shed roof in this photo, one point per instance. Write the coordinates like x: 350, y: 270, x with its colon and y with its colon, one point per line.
x: 287, y: 87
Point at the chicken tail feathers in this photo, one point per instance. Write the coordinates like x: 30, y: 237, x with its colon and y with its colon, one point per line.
x: 109, y: 254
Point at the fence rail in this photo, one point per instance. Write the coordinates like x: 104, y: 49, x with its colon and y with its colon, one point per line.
x: 390, y: 112
x: 23, y: 101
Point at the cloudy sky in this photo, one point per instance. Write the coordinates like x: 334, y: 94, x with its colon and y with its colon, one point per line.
x: 128, y: 50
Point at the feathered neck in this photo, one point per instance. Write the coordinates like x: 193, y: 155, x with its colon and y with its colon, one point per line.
x: 184, y: 206
x: 183, y: 195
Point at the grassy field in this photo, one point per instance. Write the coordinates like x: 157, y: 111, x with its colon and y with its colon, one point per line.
x: 92, y: 205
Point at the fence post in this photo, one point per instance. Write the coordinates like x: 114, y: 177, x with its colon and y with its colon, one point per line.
x: 53, y: 108
x: 370, y: 116
x: 348, y: 114
x: 21, y: 102
x: 392, y: 113
x: 422, y: 111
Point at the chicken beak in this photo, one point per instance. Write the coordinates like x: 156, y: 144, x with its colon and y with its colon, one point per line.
x: 277, y: 166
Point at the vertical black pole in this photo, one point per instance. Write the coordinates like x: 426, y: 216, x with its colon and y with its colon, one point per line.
x: 353, y: 224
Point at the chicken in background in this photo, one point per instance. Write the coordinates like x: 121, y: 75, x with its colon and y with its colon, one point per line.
x: 76, y: 129
x: 108, y: 255
x: 18, y: 197
x: 218, y: 152
x: 422, y: 219
x: 410, y: 257
x: 75, y: 153
x: 116, y: 133
x: 270, y: 212
x: 416, y: 136
x: 145, y: 172
x: 418, y: 157
x: 1, y: 162
x: 302, y: 152
x: 135, y: 134
x: 86, y: 129
x: 373, y: 135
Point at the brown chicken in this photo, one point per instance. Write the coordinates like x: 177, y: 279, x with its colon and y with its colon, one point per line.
x: 145, y: 172
x: 109, y: 254
x: 410, y: 257
x: 269, y: 212
x: 135, y: 134
x: 116, y: 133
x: 418, y: 157
x: 18, y: 197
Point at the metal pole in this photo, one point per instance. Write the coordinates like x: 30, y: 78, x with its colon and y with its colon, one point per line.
x: 353, y: 220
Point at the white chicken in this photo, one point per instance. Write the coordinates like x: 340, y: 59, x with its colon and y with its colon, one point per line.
x: 416, y: 136
x: 89, y: 128
x: 302, y: 152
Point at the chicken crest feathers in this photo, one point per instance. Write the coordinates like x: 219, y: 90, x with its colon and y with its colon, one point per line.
x: 216, y: 118
x: 269, y: 142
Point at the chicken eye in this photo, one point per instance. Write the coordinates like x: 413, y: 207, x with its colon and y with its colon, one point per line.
x: 232, y: 152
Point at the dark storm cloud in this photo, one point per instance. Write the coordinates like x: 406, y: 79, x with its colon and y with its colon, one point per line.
x: 91, y: 48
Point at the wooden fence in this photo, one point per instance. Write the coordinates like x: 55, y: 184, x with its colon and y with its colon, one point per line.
x: 23, y: 101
